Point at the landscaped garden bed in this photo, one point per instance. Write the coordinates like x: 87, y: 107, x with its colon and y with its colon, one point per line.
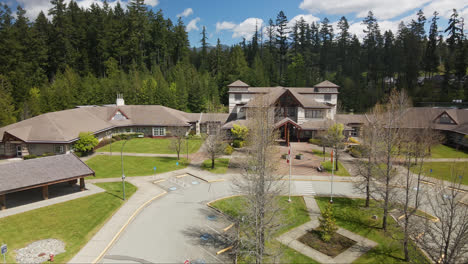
x: 337, y: 244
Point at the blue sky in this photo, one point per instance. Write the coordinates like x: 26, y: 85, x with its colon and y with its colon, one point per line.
x: 232, y: 20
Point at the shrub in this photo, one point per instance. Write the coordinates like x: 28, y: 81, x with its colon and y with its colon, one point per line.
x: 29, y: 157
x: 192, y: 132
x: 315, y: 141
x: 239, y: 132
x: 104, y: 142
x: 353, y: 140
x: 357, y: 151
x: 86, y: 143
x: 228, y: 150
x: 46, y: 154
x: 237, y: 143
x: 327, y: 227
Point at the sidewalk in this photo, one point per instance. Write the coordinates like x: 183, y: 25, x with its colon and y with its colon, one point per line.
x: 348, y: 256
x: 104, y: 238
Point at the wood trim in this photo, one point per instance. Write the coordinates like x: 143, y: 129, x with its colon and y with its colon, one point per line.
x: 45, y: 192
x: 2, y: 202
x: 451, y: 118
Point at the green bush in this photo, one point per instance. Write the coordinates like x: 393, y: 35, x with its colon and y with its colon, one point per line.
x: 237, y: 143
x: 228, y: 150
x: 86, y: 143
x: 79, y: 154
x: 315, y: 141
x: 192, y: 132
x: 357, y: 151
x: 29, y: 157
x: 46, y: 154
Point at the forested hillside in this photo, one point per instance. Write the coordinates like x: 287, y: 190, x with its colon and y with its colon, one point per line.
x: 76, y: 56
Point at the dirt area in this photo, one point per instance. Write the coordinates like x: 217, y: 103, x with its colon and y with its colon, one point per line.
x: 333, y: 248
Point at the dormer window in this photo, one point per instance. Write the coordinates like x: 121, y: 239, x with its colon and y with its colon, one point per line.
x: 238, y: 97
x: 445, y: 119
x: 119, y: 116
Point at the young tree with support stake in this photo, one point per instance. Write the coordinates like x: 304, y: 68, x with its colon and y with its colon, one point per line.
x: 178, y: 136
x: 214, y: 146
x: 335, y: 139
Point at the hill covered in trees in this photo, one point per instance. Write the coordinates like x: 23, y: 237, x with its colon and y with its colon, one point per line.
x: 86, y: 56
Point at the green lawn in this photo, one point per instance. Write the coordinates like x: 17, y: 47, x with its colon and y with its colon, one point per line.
x: 441, y: 151
x: 151, y: 145
x: 443, y: 170
x: 351, y: 215
x: 221, y: 166
x: 342, y: 171
x: 74, y: 222
x: 294, y: 213
x: 107, y: 166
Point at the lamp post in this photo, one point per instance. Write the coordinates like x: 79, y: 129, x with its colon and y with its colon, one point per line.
x: 121, y: 162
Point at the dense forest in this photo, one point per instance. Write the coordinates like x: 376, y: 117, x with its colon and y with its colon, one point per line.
x: 75, y: 56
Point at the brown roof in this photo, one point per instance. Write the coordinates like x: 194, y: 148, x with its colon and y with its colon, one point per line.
x: 326, y: 84
x: 238, y: 83
x: 65, y: 126
x: 320, y: 124
x: 350, y: 119
x: 214, y: 117
x: 27, y: 174
x: 272, y: 97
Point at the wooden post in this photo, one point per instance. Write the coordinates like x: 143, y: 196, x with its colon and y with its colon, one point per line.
x: 45, y: 192
x: 82, y: 184
x: 3, y: 202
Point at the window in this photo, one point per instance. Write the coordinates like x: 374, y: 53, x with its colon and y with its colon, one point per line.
x: 445, y: 119
x: 242, y: 109
x: 159, y: 131
x: 238, y: 97
x: 128, y: 130
x: 310, y: 113
x: 59, y: 149
x: 119, y: 116
x: 327, y: 97
x: 315, y: 90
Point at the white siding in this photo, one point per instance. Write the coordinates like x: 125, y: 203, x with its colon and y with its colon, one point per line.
x: 300, y: 115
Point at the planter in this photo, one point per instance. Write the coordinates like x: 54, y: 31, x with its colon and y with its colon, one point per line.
x: 299, y: 156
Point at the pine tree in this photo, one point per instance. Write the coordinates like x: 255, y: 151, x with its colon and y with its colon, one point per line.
x: 282, y: 33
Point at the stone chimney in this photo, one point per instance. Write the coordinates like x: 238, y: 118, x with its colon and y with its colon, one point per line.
x: 120, y: 101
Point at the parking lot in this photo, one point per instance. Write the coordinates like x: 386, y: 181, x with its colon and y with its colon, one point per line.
x: 177, y: 227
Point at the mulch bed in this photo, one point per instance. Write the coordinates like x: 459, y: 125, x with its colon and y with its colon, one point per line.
x: 333, y: 248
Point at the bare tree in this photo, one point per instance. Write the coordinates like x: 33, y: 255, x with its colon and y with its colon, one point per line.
x: 335, y: 139
x: 388, y: 133
x: 214, y: 146
x: 446, y: 241
x: 178, y: 135
x: 415, y: 145
x: 259, y: 182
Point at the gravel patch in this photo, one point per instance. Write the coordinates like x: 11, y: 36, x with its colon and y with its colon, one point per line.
x: 38, y: 252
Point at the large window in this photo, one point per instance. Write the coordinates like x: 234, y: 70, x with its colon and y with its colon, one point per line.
x: 238, y: 97
x: 59, y: 149
x: 327, y: 97
x: 445, y: 119
x: 159, y: 131
x: 311, y: 113
x: 119, y: 116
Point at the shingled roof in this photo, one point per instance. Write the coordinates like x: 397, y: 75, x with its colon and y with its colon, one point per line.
x: 65, y: 126
x: 26, y: 174
x: 272, y: 97
x: 326, y: 84
x: 238, y: 83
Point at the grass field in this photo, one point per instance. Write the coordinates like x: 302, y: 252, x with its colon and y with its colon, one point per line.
x: 443, y: 170
x: 441, y: 151
x: 221, y: 166
x: 342, y: 171
x: 107, y: 166
x: 152, y: 145
x: 74, y: 222
x: 294, y: 214
x: 351, y: 215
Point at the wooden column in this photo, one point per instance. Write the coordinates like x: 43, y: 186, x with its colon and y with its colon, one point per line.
x: 45, y: 192
x: 82, y: 184
x: 3, y: 202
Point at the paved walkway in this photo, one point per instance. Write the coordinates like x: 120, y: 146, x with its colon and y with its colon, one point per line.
x: 104, y: 238
x: 90, y: 190
x: 291, y: 239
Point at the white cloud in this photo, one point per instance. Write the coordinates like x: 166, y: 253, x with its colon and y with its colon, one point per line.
x: 34, y: 7
x: 192, y: 25
x: 225, y: 25
x: 358, y: 28
x: 382, y: 9
x: 308, y: 19
x: 245, y: 29
x: 187, y: 12
x: 152, y: 3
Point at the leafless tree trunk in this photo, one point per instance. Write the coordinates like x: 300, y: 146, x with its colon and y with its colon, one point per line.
x: 446, y: 241
x: 388, y: 138
x: 178, y: 135
x: 259, y: 182
x: 214, y: 146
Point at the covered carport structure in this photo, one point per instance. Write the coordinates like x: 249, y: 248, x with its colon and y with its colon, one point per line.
x: 41, y: 173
